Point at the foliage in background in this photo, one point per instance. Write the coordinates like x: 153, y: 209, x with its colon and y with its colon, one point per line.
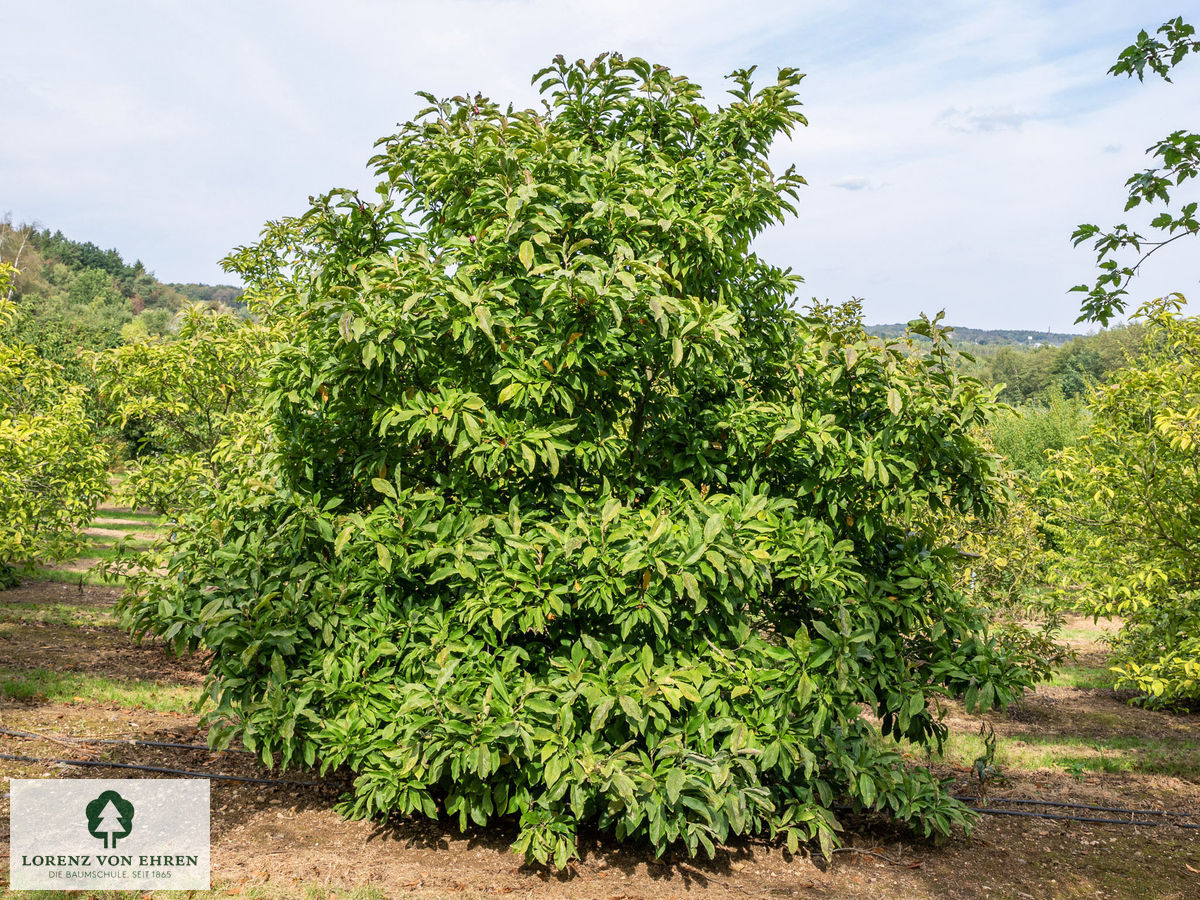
x: 1003, y: 570
x: 1037, y: 374
x: 565, y: 514
x: 1128, y: 501
x: 52, y: 470
x: 973, y: 339
x: 1177, y: 159
x: 189, y: 395
x: 71, y: 299
x: 1026, y: 434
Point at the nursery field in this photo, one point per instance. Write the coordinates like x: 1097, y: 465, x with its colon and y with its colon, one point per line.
x: 68, y: 671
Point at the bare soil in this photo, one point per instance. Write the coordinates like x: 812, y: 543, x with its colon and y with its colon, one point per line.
x: 92, y: 649
x: 281, y: 840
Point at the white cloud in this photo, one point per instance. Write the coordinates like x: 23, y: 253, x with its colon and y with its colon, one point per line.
x: 993, y: 119
x: 857, y: 183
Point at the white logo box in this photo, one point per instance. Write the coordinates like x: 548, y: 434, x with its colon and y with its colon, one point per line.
x: 90, y: 834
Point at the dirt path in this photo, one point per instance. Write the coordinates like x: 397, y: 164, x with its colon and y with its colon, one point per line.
x: 288, y: 841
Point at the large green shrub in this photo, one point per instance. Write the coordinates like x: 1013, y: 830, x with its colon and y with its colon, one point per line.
x: 564, y: 513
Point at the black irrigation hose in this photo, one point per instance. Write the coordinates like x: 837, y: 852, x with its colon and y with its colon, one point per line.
x: 1039, y: 815
x: 1115, y: 809
x: 1042, y: 815
x: 139, y: 743
x: 113, y: 765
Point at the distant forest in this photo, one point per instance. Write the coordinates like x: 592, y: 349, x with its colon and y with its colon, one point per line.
x: 985, y: 337
x: 72, y: 294
x: 1039, y: 366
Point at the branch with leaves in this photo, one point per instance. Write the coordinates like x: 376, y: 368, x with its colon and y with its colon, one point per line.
x: 1178, y: 160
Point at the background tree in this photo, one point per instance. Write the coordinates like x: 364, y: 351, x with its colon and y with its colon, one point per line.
x: 1128, y: 497
x: 187, y: 395
x: 52, y: 468
x: 564, y: 513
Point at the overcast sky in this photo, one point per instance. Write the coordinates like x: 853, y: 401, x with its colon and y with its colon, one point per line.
x: 952, y: 146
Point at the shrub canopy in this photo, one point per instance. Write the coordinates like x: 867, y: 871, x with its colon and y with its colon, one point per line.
x: 564, y: 513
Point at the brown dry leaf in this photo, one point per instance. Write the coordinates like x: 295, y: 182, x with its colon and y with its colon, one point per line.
x: 1189, y: 867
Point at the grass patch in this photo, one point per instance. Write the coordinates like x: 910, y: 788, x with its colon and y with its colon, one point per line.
x: 66, y: 687
x: 1088, y: 631
x: 101, y: 546
x: 56, y: 614
x: 135, y: 525
x: 1072, y: 755
x: 113, y: 513
x: 1087, y: 678
x: 97, y: 551
x: 63, y: 576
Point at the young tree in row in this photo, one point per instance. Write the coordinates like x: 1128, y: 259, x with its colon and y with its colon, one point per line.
x: 52, y: 468
x: 189, y: 395
x: 1128, y: 496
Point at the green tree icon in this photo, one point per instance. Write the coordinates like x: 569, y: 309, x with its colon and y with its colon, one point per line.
x: 110, y: 817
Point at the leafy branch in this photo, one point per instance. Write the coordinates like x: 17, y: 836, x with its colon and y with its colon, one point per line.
x: 1178, y: 161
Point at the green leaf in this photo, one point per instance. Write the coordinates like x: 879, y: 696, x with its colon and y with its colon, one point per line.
x: 526, y: 255
x: 674, y: 784
x: 600, y: 713
x: 916, y: 704
x: 866, y: 788
x: 484, y: 316
x: 690, y: 585
x: 713, y: 526
x: 343, y: 536
x: 384, y: 487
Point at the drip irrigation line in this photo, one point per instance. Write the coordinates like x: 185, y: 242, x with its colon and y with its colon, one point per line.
x: 139, y: 743
x: 1115, y: 809
x: 991, y: 811
x: 1042, y: 815
x: 115, y: 765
